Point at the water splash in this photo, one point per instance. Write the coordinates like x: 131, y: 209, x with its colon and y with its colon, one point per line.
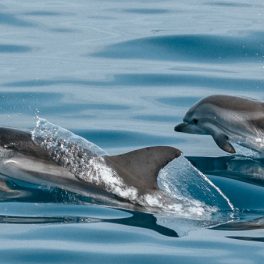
x: 54, y: 138
x: 183, y: 189
x: 183, y: 181
x: 81, y: 157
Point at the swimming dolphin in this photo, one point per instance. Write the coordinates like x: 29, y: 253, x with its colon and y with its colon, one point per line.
x: 22, y: 158
x: 227, y: 119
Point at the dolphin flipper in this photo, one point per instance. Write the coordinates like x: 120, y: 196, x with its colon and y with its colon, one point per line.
x: 140, y: 168
x: 222, y: 142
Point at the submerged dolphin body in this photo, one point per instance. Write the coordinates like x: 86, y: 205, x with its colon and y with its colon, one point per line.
x: 21, y: 157
x: 234, y: 167
x: 227, y: 119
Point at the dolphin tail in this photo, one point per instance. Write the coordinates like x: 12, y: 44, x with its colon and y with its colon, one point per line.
x: 140, y: 168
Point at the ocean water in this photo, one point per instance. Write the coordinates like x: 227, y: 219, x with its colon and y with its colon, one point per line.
x: 121, y: 74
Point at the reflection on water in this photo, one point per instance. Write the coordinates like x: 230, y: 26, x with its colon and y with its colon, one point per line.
x: 235, y: 167
x: 256, y: 239
x: 137, y: 219
x: 257, y: 223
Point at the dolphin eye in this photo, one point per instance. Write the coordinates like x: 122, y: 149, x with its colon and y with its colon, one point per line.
x: 195, y: 121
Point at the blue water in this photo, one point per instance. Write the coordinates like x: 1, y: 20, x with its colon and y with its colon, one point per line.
x: 122, y: 74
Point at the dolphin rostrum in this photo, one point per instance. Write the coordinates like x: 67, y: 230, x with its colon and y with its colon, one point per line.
x: 227, y: 119
x: 21, y: 157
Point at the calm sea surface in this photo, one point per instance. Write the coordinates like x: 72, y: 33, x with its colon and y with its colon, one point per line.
x: 122, y: 74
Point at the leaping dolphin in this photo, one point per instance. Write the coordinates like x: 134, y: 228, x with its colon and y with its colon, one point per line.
x: 227, y: 119
x: 22, y: 157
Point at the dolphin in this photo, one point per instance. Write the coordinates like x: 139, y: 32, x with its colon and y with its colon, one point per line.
x: 22, y: 158
x: 227, y: 119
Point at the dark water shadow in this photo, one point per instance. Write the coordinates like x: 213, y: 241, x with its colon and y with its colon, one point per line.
x: 244, y: 238
x: 9, y: 219
x: 235, y: 167
x: 4, y: 48
x: 143, y: 220
x: 43, y: 13
x: 228, y: 4
x: 203, y: 48
x: 146, y: 11
x: 17, y: 191
x: 137, y: 219
x: 13, y: 20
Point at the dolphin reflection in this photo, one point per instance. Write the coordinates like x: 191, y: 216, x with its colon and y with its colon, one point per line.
x: 137, y: 219
x: 240, y: 168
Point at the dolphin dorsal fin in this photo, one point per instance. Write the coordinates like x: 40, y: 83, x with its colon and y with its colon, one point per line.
x: 140, y: 168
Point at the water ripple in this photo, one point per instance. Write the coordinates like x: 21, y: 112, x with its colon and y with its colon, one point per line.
x: 50, y: 82
x: 48, y: 103
x: 42, y: 13
x: 146, y: 11
x: 228, y: 4
x: 179, y: 101
x: 13, y: 20
x: 157, y: 118
x: 203, y: 48
x: 27, y: 102
x: 4, y: 48
x: 122, y: 138
x: 151, y: 80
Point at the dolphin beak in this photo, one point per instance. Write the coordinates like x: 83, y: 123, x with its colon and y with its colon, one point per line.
x: 189, y: 128
x: 182, y: 127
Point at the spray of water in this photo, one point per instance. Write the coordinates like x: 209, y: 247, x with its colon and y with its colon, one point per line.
x: 183, y: 189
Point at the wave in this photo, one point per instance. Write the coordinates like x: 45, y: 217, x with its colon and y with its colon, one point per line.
x: 202, y: 48
x: 4, y: 48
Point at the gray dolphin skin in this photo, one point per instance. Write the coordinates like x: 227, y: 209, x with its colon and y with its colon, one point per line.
x: 21, y: 157
x: 227, y: 119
